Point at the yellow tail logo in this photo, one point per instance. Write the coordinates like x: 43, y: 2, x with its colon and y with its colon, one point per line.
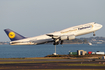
x: 11, y: 35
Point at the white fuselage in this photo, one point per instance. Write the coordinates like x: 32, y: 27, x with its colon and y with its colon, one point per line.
x: 76, y: 31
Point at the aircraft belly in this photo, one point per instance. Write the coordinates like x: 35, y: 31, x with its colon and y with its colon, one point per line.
x: 29, y: 43
x: 42, y: 41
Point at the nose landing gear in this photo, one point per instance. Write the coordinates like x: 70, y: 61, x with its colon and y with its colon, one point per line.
x: 94, y: 34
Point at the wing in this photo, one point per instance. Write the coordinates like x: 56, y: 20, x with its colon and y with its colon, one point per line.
x: 61, y: 38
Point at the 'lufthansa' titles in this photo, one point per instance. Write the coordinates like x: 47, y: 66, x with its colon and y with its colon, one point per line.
x: 84, y: 27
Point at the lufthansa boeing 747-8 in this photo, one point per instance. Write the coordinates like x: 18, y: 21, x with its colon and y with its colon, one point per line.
x: 55, y: 37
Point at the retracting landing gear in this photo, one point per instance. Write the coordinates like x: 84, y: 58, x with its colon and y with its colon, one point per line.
x: 94, y: 34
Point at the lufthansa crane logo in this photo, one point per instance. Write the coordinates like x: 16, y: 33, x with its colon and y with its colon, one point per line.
x: 11, y: 35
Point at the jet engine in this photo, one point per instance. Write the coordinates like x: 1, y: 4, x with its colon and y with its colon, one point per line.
x: 67, y: 37
x: 61, y: 38
x: 71, y: 37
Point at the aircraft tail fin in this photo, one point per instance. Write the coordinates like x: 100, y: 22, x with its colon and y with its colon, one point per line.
x: 13, y: 35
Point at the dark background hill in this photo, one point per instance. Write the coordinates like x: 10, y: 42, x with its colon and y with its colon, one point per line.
x: 94, y: 40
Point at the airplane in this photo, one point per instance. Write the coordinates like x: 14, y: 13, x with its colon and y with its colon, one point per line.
x: 55, y: 37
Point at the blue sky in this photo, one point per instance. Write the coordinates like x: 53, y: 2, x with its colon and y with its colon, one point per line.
x: 36, y: 17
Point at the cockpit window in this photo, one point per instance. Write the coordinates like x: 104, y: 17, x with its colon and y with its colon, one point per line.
x: 94, y: 22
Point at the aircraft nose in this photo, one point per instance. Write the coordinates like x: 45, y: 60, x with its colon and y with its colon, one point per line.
x: 99, y: 26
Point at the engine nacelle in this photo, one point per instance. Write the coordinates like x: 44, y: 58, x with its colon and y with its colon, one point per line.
x: 63, y: 38
x: 67, y: 37
x: 71, y: 37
